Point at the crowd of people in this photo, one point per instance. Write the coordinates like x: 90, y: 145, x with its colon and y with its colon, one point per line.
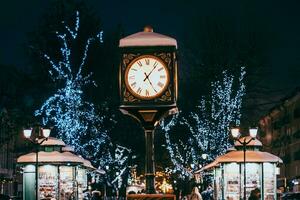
x: 207, y: 194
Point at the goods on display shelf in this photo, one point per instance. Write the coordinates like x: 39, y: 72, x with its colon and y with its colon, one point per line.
x: 48, y: 178
x: 232, y: 177
x: 269, y: 181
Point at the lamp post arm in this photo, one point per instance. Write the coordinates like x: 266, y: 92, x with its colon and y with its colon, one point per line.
x: 248, y: 141
x: 244, y: 142
x: 41, y: 142
x: 239, y: 141
x: 31, y: 140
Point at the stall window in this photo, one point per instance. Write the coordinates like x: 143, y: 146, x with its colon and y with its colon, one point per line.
x: 269, y: 181
x: 48, y: 182
x: 68, y: 188
x: 253, y: 177
x: 82, y: 182
x: 29, y: 182
x: 232, y: 181
x: 218, y: 184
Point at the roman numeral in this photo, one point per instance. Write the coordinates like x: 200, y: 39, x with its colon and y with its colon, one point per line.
x: 139, y: 90
x: 162, y: 76
x: 147, y: 93
x: 139, y: 63
x: 133, y: 84
x: 147, y: 61
x: 155, y: 64
x: 160, y: 84
x: 133, y: 69
x: 160, y: 69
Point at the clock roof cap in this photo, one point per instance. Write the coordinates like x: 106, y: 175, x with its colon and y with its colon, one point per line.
x: 147, y: 38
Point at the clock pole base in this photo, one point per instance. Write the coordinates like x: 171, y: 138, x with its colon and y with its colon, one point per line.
x: 149, y: 162
x: 149, y: 118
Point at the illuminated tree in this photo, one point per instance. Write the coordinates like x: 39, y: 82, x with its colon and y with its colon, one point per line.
x: 76, y: 120
x: 72, y: 117
x: 208, y: 126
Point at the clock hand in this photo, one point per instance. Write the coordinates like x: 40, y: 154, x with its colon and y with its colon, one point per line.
x: 149, y: 73
x: 151, y: 85
x: 146, y: 76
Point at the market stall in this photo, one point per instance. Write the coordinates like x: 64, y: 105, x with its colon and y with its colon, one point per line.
x: 61, y: 173
x: 229, y: 177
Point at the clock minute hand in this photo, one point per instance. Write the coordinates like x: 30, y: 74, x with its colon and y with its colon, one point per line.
x: 149, y: 73
x: 151, y: 85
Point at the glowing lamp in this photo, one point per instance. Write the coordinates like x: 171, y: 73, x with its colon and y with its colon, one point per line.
x: 235, y: 132
x: 253, y: 132
x: 46, y: 132
x: 27, y: 133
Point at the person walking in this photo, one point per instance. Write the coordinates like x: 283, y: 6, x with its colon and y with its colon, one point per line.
x: 255, y: 194
x: 195, y: 195
x: 96, y: 195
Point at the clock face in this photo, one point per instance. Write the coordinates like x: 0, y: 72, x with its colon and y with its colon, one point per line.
x: 147, y: 77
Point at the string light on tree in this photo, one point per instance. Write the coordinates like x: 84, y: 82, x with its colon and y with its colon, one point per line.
x: 209, y: 125
x: 77, y: 121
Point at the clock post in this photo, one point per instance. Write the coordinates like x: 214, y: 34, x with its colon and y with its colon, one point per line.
x: 148, y: 86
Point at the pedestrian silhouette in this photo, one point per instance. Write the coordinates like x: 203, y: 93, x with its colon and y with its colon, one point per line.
x: 195, y: 195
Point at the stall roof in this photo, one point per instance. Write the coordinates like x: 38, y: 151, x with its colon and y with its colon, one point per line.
x: 208, y: 166
x: 85, y: 162
x: 147, y: 39
x: 51, y: 141
x: 68, y: 148
x: 238, y: 157
x: 54, y: 157
x: 251, y: 156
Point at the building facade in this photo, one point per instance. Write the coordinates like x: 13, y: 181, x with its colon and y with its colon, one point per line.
x: 280, y: 135
x: 8, y: 184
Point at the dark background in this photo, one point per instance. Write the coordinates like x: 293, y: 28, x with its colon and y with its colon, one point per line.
x: 264, y: 36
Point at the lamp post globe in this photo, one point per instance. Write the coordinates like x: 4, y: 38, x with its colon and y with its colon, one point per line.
x: 253, y: 132
x: 27, y: 133
x: 235, y: 132
x: 46, y: 132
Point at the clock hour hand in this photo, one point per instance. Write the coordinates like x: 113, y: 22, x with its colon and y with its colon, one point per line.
x: 146, y: 76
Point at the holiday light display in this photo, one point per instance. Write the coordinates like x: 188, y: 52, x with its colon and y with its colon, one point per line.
x: 76, y: 120
x: 208, y: 126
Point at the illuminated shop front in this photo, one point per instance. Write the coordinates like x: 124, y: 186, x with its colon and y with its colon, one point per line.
x: 62, y: 174
x: 261, y: 171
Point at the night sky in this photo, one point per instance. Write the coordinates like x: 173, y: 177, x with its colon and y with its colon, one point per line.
x: 277, y: 19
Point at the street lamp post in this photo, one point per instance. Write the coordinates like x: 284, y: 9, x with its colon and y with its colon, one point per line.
x: 38, y: 140
x: 235, y: 132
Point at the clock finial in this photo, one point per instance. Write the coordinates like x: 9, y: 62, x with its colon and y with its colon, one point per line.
x: 148, y: 29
